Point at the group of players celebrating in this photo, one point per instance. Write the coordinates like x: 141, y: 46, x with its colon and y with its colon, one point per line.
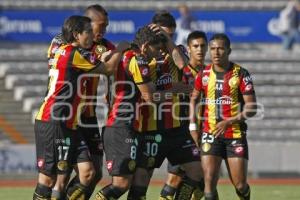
x: 163, y: 102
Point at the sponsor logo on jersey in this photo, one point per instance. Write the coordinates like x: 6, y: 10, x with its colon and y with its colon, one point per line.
x: 165, y: 79
x: 225, y: 100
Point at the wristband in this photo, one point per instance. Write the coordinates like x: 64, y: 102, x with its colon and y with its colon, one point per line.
x: 193, y: 127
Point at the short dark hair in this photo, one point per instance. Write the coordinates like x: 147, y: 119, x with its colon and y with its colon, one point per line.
x: 221, y: 36
x: 74, y: 24
x: 95, y: 7
x: 146, y: 35
x: 195, y: 35
x: 164, y: 18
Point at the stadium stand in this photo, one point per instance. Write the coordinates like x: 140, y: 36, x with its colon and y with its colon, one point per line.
x: 134, y: 4
x: 277, y: 88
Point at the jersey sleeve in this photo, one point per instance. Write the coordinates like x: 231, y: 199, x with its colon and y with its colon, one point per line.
x: 140, y: 71
x: 198, y: 81
x: 246, y: 83
x: 56, y: 42
x: 84, y: 60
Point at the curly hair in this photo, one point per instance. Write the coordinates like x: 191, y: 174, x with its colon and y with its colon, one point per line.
x: 146, y: 35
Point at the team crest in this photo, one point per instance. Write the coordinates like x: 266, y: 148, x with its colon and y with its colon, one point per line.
x: 151, y: 162
x: 131, y: 165
x: 206, y: 147
x: 234, y: 82
x: 205, y: 80
x: 62, y: 165
x: 99, y: 50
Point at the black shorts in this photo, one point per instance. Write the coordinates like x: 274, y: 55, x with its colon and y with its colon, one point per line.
x: 223, y: 147
x: 175, y: 169
x: 91, y: 134
x: 120, y: 147
x: 174, y: 144
x: 58, y: 148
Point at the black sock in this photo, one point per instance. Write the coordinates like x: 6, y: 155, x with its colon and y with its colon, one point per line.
x: 211, y: 196
x: 89, y: 189
x: 58, y: 195
x: 167, y: 192
x: 110, y: 191
x: 137, y: 193
x: 244, y: 194
x: 186, y: 189
x: 76, y: 191
x: 42, y: 192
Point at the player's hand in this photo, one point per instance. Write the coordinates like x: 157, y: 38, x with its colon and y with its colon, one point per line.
x: 105, y: 56
x: 221, y: 127
x: 158, y: 30
x: 123, y: 45
x: 195, y: 135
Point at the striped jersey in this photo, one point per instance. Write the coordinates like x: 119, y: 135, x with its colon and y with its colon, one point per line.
x: 189, y: 74
x: 223, y: 97
x: 165, y: 115
x: 66, y: 87
x: 132, y: 70
x: 92, y: 79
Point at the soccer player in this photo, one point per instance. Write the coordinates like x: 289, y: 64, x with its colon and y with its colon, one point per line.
x: 229, y: 99
x: 55, y: 126
x: 58, y: 143
x: 162, y: 133
x: 132, y: 81
x: 89, y: 126
x: 197, y: 48
x: 88, y: 123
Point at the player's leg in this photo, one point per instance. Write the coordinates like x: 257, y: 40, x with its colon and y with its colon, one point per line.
x: 212, y: 153
x: 237, y: 165
x: 45, y: 135
x: 59, y: 189
x: 92, y: 137
x: 140, y: 183
x: 120, y: 150
x: 185, y: 153
x: 211, y: 166
x: 84, y: 168
x: 174, y: 177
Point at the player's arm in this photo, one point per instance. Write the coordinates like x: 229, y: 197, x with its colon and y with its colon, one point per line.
x: 176, y: 52
x: 249, y: 111
x: 194, y: 127
x: 110, y: 60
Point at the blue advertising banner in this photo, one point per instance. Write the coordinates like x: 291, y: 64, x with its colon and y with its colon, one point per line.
x: 42, y: 25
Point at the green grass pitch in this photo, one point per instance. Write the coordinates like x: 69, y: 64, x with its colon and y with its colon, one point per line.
x: 226, y: 192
